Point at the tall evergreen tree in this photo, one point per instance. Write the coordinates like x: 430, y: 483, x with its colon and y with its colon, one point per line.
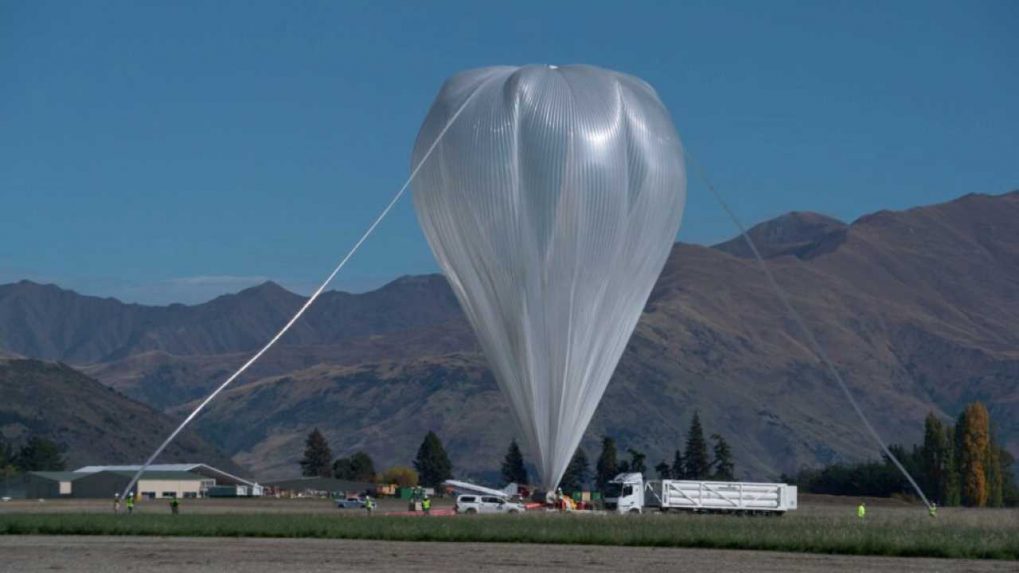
x: 678, y: 466
x: 638, y: 462
x: 951, y: 494
x: 664, y: 470
x: 1010, y: 487
x: 358, y: 467
x: 7, y: 459
x: 972, y: 442
x: 723, y: 465
x: 318, y: 458
x: 40, y: 455
x: 995, y: 475
x: 432, y: 463
x: 607, y: 467
x: 577, y: 474
x: 696, y: 456
x: 513, y: 470
x: 934, y: 460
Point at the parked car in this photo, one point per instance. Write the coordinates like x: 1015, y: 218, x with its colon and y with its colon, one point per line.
x: 350, y: 503
x: 471, y: 504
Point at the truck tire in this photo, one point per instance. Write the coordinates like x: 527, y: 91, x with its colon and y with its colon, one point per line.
x: 634, y: 511
x: 471, y: 511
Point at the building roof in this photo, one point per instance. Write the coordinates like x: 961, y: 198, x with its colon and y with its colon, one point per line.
x: 59, y: 476
x: 319, y: 484
x: 190, y: 467
x: 162, y: 475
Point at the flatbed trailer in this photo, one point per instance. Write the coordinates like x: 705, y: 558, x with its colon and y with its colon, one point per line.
x: 629, y: 493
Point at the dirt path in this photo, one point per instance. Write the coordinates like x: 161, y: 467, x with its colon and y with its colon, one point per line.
x: 113, y: 554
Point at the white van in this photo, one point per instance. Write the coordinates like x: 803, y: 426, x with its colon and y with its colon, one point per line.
x: 471, y: 504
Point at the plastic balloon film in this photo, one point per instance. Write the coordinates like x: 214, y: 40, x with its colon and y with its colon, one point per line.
x: 551, y: 207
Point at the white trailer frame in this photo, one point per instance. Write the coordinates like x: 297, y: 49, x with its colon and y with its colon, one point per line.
x: 720, y: 496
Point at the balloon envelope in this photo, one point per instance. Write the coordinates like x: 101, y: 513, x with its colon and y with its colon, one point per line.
x: 551, y: 205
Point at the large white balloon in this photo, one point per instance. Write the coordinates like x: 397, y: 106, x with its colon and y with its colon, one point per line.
x: 551, y: 205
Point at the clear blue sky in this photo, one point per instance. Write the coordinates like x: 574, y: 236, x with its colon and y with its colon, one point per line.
x: 176, y: 150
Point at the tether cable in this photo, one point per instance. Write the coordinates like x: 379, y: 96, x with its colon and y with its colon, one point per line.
x: 815, y: 346
x: 309, y: 302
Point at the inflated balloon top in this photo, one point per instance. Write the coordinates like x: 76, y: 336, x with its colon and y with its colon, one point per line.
x: 551, y: 205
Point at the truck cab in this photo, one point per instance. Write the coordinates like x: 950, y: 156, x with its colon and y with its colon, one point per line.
x: 625, y: 493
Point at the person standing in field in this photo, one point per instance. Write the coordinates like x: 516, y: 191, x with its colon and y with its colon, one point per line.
x: 116, y: 504
x: 426, y: 505
x: 369, y: 504
x: 129, y: 502
x: 933, y: 510
x: 861, y: 510
x: 174, y: 506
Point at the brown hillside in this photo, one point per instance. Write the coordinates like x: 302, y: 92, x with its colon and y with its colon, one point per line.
x: 918, y: 308
x: 96, y: 424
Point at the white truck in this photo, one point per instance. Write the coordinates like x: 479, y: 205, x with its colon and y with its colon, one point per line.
x: 629, y: 493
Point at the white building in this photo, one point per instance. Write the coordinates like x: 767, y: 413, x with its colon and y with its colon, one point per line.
x: 218, y: 476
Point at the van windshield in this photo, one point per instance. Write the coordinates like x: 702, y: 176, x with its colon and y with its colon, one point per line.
x: 613, y: 489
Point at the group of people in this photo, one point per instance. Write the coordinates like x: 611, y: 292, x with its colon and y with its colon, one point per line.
x: 129, y: 504
x: 560, y: 501
x: 861, y: 510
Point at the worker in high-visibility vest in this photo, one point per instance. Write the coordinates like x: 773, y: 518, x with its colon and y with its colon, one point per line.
x: 933, y: 510
x: 129, y: 502
x: 175, y: 506
x: 861, y: 510
x: 426, y: 505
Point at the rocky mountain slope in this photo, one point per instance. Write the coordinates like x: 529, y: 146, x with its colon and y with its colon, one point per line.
x: 95, y: 423
x: 919, y: 309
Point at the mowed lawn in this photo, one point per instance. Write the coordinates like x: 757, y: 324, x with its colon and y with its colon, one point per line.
x: 901, y: 531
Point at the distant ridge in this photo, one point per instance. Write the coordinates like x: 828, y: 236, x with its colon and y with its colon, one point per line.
x: 918, y: 308
x: 799, y: 234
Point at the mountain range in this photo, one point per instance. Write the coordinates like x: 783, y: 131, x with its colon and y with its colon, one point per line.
x: 93, y: 422
x: 918, y: 308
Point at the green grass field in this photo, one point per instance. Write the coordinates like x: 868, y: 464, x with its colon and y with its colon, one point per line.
x: 987, y: 535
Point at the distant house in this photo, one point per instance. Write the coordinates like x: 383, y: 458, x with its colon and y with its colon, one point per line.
x: 159, y: 481
x: 221, y: 477
x: 318, y: 487
x: 152, y: 485
x: 106, y: 484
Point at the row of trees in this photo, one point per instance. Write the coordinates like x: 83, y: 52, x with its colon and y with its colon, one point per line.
x: 35, y: 455
x: 694, y: 462
x: 431, y: 465
x: 956, y: 465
